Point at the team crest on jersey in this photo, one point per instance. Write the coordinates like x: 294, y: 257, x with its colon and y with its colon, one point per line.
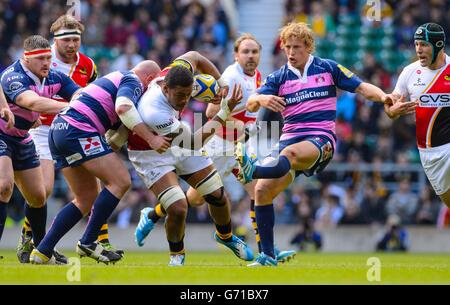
x: 320, y: 79
x: 447, y: 77
x: 91, y: 146
x: 346, y: 71
x: 83, y: 71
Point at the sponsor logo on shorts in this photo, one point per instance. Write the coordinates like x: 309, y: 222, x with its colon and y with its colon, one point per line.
x: 3, y: 146
x: 91, y: 146
x: 73, y: 158
x: 59, y: 126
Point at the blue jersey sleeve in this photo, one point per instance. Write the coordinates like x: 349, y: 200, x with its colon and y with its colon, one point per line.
x: 343, y: 78
x: 68, y: 86
x: 14, y: 84
x: 130, y: 87
x: 270, y: 86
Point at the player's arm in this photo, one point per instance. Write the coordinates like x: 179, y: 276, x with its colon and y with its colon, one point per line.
x: 269, y: 101
x: 184, y: 138
x: 128, y: 95
x: 267, y: 95
x: 373, y: 93
x: 6, y: 113
x: 32, y: 101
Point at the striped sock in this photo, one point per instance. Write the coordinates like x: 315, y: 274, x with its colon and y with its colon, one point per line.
x: 224, y: 231
x: 26, y: 228
x: 254, y: 225
x: 103, y: 236
x: 157, y: 213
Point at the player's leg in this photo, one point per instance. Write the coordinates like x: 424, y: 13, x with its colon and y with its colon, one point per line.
x: 83, y: 186
x: 6, y: 187
x: 173, y: 200
x: 31, y: 184
x: 209, y: 185
x: 110, y: 169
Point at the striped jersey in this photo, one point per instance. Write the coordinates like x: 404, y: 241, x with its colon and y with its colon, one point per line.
x: 82, y: 72
x: 432, y: 89
x: 17, y: 79
x: 94, y: 108
x: 310, y: 98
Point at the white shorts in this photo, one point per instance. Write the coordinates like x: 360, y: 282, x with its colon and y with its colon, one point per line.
x: 221, y: 153
x: 40, y: 139
x: 152, y: 166
x: 436, y: 163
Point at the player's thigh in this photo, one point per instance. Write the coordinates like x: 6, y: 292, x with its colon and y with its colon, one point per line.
x: 31, y: 184
x: 169, y: 194
x: 250, y: 188
x: 302, y: 155
x: 84, y: 186
x: 48, y: 172
x: 6, y: 178
x: 111, y: 170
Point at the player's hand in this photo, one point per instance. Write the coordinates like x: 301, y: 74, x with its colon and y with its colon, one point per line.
x: 8, y: 116
x: 402, y: 107
x: 236, y: 97
x: 37, y: 123
x: 272, y: 102
x: 159, y: 143
x: 220, y: 95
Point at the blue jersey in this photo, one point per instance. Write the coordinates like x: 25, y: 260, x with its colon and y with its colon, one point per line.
x: 17, y: 79
x: 94, y: 109
x: 310, y: 98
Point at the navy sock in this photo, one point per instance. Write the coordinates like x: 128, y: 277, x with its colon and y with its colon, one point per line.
x: 265, y: 218
x: 2, y: 217
x: 66, y: 219
x: 38, y: 220
x: 103, y: 207
x: 278, y: 170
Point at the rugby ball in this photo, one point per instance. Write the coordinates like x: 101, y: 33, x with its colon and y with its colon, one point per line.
x: 205, y: 88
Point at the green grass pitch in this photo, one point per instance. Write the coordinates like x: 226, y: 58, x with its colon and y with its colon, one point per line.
x: 224, y: 268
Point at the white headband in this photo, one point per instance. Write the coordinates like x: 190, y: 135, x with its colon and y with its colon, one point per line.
x: 66, y: 33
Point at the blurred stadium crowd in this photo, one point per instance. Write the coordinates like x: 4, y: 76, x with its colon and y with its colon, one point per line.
x: 120, y: 33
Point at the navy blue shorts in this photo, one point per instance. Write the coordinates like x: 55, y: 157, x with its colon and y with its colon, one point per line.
x: 71, y: 146
x: 323, y: 143
x: 23, y: 155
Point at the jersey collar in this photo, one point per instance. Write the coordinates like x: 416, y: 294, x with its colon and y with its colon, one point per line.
x: 36, y: 79
x: 303, y: 78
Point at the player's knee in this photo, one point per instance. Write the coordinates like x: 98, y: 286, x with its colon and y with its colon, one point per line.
x: 263, y: 191
x: 173, y: 197
x: 6, y: 189
x: 216, y: 198
x: 123, y: 183
x: 178, y: 211
x: 211, y: 189
x: 37, y: 200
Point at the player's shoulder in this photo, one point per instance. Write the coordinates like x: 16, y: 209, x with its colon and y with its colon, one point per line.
x: 411, y: 68
x: 14, y: 78
x: 85, y: 60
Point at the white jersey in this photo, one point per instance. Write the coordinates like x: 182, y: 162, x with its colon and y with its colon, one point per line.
x: 432, y: 89
x: 234, y: 74
x: 160, y: 116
